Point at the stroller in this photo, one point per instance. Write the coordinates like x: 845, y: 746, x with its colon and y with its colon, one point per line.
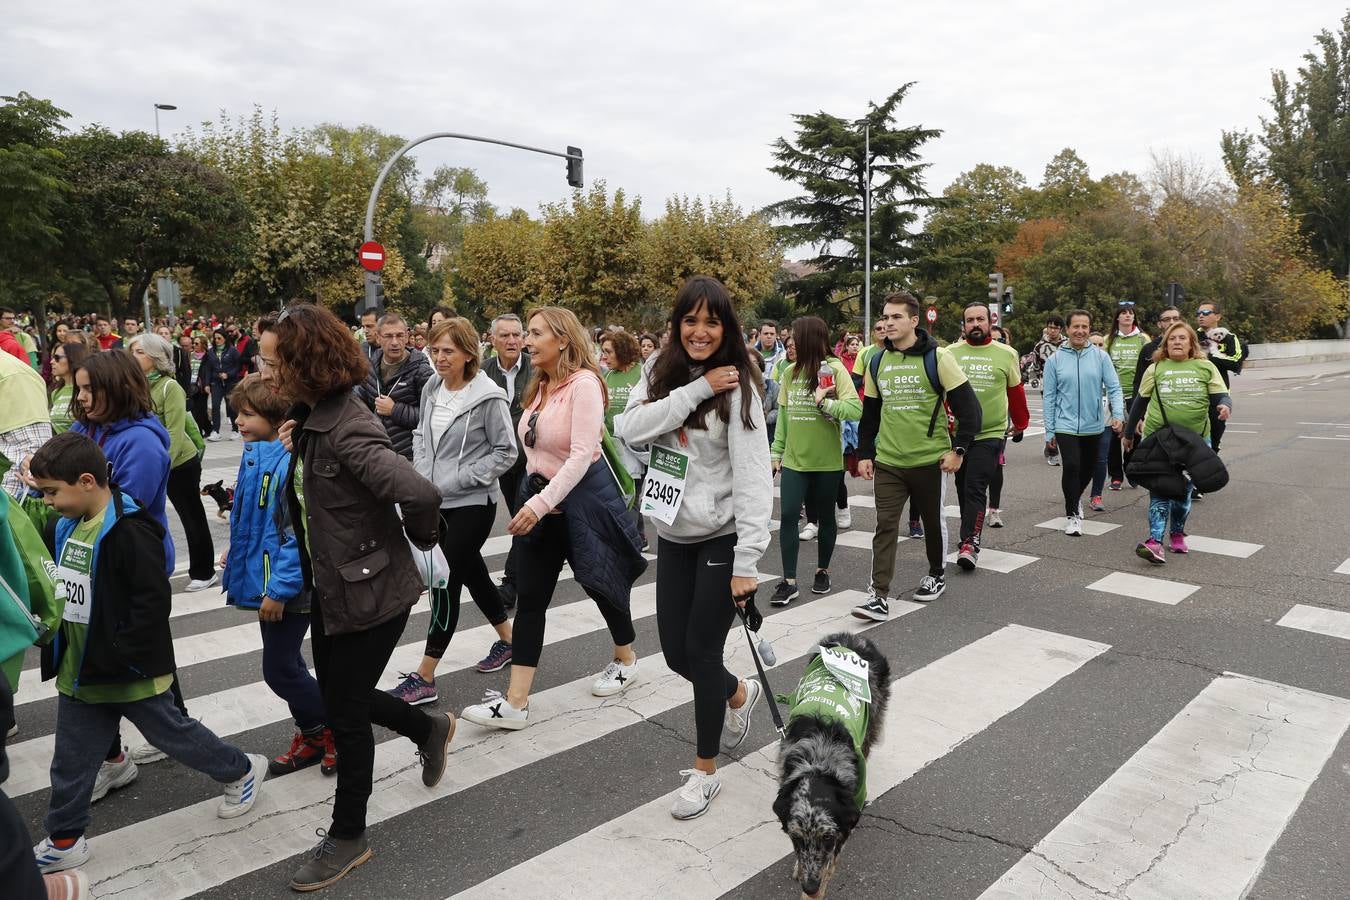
x: 1032, y: 367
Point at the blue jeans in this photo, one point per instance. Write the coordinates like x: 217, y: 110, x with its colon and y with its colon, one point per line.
x: 285, y: 671
x: 1099, y: 471
x: 1160, y: 509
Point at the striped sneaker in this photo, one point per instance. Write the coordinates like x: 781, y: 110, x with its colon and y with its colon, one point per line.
x: 51, y: 858
x: 242, y: 793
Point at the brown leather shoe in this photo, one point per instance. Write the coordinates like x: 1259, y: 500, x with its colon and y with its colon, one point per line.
x: 330, y: 861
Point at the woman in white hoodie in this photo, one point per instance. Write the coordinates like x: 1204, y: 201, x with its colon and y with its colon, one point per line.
x: 462, y: 443
x: 710, y: 492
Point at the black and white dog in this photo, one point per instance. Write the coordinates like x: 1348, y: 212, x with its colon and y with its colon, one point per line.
x: 820, y: 768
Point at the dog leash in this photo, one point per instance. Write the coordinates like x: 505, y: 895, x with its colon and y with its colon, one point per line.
x: 759, y: 667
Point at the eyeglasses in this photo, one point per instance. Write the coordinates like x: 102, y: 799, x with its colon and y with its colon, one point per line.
x: 1204, y: 312
x: 530, y: 429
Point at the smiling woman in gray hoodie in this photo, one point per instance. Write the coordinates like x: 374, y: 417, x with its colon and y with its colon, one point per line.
x: 462, y: 443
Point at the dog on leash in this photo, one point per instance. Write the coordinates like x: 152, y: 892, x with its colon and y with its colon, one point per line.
x: 823, y: 759
x: 223, y: 496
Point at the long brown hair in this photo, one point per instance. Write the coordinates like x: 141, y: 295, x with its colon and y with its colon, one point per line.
x: 674, y: 369
x: 116, y: 378
x: 812, y: 338
x: 1195, y: 352
x: 572, y: 358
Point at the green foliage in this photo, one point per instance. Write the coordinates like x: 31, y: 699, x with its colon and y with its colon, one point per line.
x: 32, y: 187
x: 828, y: 161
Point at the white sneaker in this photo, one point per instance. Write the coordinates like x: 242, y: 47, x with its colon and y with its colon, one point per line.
x: 234, y: 436
x: 496, y: 712
x: 13, y: 730
x: 808, y: 532
x: 214, y: 437
x: 113, y: 775
x: 692, y: 800
x: 993, y: 519
x: 147, y: 753
x: 240, y: 795
x: 615, y: 678
x: 737, y: 723
x: 843, y: 518
x: 201, y: 584
x: 51, y: 858
x: 1075, y: 526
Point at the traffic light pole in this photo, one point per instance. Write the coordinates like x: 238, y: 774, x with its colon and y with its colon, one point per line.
x: 572, y: 155
x: 867, y: 228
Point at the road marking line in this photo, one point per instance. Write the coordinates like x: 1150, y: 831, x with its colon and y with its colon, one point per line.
x: 1090, y: 526
x: 933, y: 711
x: 1343, y: 568
x: 188, y: 850
x: 1330, y: 424
x: 1238, y: 549
x: 1239, y: 431
x: 1141, y: 587
x: 999, y: 561
x: 248, y: 706
x: 1331, y: 622
x: 1318, y: 437
x: 1196, y: 810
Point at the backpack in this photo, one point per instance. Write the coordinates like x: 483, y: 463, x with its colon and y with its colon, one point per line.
x: 930, y: 369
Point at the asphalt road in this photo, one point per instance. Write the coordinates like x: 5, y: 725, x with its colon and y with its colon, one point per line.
x: 1166, y: 737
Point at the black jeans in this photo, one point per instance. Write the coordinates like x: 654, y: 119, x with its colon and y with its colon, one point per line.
x: 694, y: 611
x: 348, y: 666
x: 463, y: 531
x: 548, y: 547
x: 185, y: 493
x: 972, y: 486
x: 219, y: 391
x: 1078, y: 457
x: 200, y: 414
x: 510, y: 486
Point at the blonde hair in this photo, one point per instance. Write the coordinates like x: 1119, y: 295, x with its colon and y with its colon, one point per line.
x: 1195, y: 351
x: 462, y: 335
x: 574, y: 356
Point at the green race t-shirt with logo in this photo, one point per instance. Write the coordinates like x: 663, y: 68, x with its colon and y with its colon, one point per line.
x: 807, y: 440
x: 864, y: 357
x: 1185, y: 388
x: 76, y: 569
x: 619, y: 385
x: 991, y: 369
x: 1124, y: 355
x: 907, y: 403
x: 62, y: 420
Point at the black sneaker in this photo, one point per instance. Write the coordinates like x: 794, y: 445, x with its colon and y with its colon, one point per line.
x: 968, y: 556
x: 930, y: 588
x: 507, y: 590
x: 915, y: 528
x: 821, y: 584
x: 783, y: 594
x: 878, y: 609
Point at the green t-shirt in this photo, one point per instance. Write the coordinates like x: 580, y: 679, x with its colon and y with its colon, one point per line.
x: 776, y: 373
x: 907, y: 402
x: 1184, y: 387
x: 991, y: 369
x: 805, y: 439
x: 77, y: 556
x: 821, y: 696
x: 61, y: 417
x: 1124, y: 355
x: 864, y: 357
x: 619, y: 385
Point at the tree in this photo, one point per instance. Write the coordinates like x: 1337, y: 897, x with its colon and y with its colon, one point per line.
x: 592, y: 254
x: 828, y: 161
x: 1067, y: 188
x: 32, y: 187
x: 500, y: 264
x: 1305, y: 148
x: 135, y: 208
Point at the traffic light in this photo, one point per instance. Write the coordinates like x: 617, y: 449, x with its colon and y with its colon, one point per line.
x: 1008, y: 302
x: 995, y: 286
x: 574, y: 167
x: 1176, y: 294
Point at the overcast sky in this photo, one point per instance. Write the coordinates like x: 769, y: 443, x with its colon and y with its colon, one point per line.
x: 686, y: 97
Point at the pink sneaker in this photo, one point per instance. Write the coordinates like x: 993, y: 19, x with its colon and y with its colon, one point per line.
x: 1096, y: 504
x: 1179, y: 543
x: 1152, y: 551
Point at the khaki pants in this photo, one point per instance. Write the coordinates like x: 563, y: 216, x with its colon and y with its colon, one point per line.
x: 894, y: 487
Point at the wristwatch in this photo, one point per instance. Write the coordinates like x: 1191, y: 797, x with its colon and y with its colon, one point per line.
x: 959, y: 451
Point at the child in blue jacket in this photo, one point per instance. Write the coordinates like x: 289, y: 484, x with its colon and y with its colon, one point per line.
x: 262, y: 572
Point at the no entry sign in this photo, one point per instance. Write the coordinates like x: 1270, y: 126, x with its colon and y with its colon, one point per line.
x: 931, y: 315
x: 372, y: 256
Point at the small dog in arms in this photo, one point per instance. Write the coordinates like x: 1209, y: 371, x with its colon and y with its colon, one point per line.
x: 834, y: 717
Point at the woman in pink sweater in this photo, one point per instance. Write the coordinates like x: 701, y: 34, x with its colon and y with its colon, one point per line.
x: 560, y: 425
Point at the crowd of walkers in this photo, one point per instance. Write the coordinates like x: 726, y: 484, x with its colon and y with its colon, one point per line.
x: 371, y: 471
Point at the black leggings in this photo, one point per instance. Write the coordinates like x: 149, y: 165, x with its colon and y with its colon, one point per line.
x: 464, y: 529
x: 972, y: 485
x: 996, y: 482
x: 694, y: 611
x: 184, y: 492
x: 544, y: 550
x: 1078, y: 457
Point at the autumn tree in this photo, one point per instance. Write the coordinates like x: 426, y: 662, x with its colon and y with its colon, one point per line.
x: 500, y: 264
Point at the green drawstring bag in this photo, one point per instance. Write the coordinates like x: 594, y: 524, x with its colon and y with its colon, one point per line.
x: 622, y: 479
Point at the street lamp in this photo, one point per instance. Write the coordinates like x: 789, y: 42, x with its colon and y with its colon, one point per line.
x: 164, y: 106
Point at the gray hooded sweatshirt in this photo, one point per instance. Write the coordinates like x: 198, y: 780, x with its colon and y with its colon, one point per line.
x: 479, y: 445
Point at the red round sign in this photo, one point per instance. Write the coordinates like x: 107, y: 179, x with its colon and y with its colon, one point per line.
x: 932, y: 314
x: 371, y: 256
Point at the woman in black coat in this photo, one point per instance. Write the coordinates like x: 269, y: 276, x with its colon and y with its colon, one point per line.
x: 218, y: 376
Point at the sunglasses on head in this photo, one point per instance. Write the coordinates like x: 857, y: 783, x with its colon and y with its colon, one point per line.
x: 530, y: 429
x: 1129, y: 303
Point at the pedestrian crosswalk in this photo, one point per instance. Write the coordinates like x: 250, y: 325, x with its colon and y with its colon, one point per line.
x: 1194, y: 811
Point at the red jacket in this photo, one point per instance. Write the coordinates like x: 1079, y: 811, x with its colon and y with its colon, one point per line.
x: 10, y: 344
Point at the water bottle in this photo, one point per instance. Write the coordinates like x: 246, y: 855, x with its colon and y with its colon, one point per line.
x: 825, y: 377
x: 766, y: 653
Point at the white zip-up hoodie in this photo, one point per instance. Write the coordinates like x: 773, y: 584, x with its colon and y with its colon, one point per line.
x: 728, y: 485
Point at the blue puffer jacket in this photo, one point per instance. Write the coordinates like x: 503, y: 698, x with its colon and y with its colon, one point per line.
x: 264, y: 557
x: 1073, y: 384
x: 138, y: 451
x: 605, y: 552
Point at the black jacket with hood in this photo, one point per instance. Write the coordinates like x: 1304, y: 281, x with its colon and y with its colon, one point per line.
x: 405, y: 389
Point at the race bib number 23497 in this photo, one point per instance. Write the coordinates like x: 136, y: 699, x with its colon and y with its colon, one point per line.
x: 663, y: 489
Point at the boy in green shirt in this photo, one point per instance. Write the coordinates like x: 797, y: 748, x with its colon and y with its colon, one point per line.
x: 113, y: 656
